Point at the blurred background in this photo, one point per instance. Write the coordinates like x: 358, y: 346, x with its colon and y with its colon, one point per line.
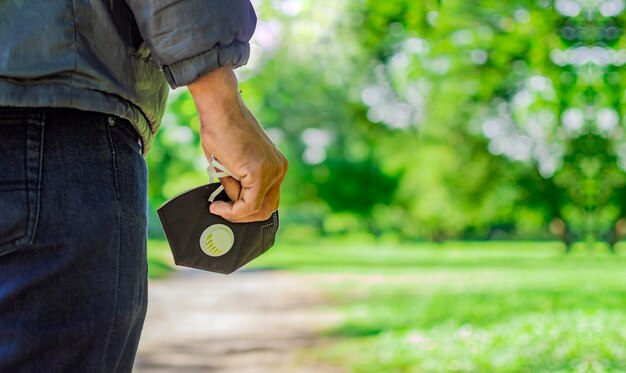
x: 455, y: 198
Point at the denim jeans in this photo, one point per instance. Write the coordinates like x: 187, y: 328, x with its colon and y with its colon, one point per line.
x: 73, y: 216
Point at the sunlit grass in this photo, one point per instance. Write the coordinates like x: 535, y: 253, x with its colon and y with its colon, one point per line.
x: 462, y: 307
x: 563, y: 341
x: 469, y: 307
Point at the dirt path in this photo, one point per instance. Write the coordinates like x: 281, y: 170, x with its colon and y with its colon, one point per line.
x: 246, y: 322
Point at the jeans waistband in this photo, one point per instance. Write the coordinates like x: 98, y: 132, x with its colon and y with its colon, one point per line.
x: 13, y: 112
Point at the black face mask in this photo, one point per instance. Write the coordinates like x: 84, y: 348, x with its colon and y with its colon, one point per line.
x: 202, y: 240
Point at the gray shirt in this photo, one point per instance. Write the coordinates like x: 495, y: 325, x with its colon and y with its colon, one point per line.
x: 116, y: 56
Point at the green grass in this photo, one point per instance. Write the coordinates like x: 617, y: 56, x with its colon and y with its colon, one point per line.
x: 469, y: 307
x: 160, y: 261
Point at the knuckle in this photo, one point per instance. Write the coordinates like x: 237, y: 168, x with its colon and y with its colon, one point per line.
x: 285, y: 166
x: 276, y: 177
x: 252, y: 168
x: 279, y: 172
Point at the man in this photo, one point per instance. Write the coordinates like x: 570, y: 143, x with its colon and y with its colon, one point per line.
x: 82, y: 91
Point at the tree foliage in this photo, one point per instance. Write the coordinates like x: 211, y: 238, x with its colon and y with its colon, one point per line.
x: 433, y: 119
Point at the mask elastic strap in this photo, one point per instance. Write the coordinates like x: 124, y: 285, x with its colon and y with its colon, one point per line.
x: 215, y: 169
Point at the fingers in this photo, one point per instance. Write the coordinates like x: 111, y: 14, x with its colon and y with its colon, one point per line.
x: 254, y: 203
x: 232, y: 187
x: 270, y: 204
x: 250, y: 202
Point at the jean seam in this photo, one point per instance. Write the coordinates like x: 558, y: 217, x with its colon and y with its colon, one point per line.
x: 107, y: 342
x: 41, y: 123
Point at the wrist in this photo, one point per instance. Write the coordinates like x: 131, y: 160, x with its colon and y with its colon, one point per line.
x: 215, y: 92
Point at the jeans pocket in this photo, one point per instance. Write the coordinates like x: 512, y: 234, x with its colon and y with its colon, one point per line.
x: 21, y: 143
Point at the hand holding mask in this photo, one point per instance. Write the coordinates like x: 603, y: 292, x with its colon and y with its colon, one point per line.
x: 202, y: 240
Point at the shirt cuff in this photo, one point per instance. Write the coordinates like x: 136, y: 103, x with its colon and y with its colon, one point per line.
x: 183, y: 72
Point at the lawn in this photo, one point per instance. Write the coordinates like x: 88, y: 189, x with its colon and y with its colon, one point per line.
x: 463, y: 307
x: 469, y: 307
x: 160, y: 260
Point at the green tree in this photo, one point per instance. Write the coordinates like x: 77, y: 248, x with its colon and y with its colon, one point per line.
x: 535, y: 79
x: 433, y: 119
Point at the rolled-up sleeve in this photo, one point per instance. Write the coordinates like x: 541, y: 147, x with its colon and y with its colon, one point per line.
x: 189, y: 38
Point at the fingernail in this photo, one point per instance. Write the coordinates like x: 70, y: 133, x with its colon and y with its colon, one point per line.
x: 212, y: 208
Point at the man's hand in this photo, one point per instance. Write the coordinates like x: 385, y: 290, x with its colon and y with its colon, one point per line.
x: 230, y: 133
